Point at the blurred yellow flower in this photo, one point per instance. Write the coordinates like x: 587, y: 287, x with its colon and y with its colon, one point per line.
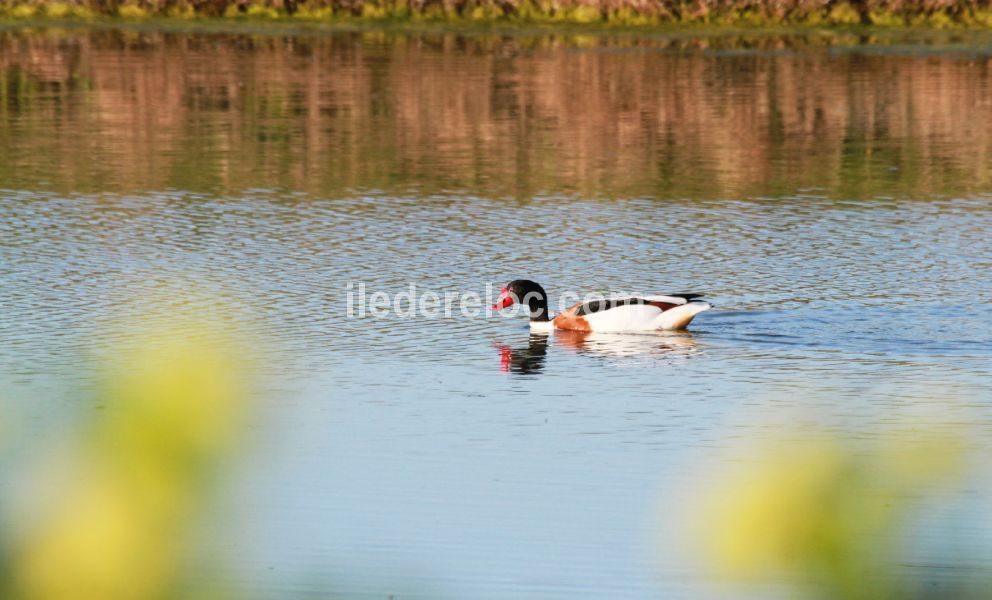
x: 822, y: 513
x: 772, y: 517
x: 116, y: 531
x: 101, y: 544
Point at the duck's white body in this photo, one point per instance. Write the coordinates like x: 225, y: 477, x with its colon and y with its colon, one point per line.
x: 656, y: 314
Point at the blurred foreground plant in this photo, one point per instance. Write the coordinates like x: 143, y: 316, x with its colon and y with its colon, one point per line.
x: 110, y: 518
x: 829, y: 518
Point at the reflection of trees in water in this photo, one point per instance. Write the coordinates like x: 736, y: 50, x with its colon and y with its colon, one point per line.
x: 499, y: 115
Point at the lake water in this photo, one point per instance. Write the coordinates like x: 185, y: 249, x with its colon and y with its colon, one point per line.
x: 832, y: 197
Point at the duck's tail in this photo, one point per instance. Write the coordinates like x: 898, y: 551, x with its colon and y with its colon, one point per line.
x: 680, y: 316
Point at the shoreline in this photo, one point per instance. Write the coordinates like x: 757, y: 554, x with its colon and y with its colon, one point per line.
x: 496, y: 16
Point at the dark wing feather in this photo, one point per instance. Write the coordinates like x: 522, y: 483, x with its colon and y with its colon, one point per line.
x: 595, y: 306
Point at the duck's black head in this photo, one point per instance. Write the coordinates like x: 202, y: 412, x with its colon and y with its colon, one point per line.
x: 525, y: 291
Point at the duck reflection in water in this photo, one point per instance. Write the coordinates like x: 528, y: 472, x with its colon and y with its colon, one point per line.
x: 624, y: 345
x: 531, y: 359
x: 524, y: 360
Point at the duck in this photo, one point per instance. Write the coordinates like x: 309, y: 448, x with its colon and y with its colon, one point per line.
x: 616, y: 315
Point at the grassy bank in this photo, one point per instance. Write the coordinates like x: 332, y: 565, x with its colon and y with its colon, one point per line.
x: 624, y: 13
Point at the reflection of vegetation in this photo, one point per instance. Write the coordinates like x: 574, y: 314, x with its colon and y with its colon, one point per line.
x: 629, y: 13
x: 115, y: 110
x: 832, y: 519
x: 108, y: 519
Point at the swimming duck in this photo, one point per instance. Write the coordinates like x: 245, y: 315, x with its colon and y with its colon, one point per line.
x: 635, y: 313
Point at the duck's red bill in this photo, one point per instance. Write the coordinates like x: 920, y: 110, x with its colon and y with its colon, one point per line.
x: 505, y: 299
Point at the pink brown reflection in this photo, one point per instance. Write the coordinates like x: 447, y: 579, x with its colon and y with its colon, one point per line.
x: 495, y: 115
